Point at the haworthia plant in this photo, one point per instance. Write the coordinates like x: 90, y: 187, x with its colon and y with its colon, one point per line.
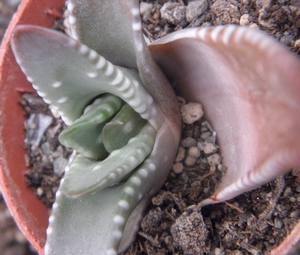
x: 123, y: 116
x: 111, y: 95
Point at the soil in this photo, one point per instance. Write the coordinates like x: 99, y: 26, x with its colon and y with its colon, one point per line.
x: 253, y: 223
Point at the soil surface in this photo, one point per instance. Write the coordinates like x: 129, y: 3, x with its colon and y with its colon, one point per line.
x: 253, y: 223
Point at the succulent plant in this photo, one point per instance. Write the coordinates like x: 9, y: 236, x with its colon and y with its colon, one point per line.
x: 119, y: 124
x: 123, y: 117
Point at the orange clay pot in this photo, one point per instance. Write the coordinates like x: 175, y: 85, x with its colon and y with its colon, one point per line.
x: 30, y: 214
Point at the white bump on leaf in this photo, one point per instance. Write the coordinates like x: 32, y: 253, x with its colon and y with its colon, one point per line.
x: 72, y: 20
x: 62, y: 100
x: 118, y: 234
x: 124, y: 204
x: 136, y: 181
x: 56, y: 84
x: 92, y: 74
x: 111, y: 252
x: 129, y: 191
x: 136, y: 26
x: 118, y: 219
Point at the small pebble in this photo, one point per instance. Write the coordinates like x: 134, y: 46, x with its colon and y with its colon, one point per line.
x: 145, y: 9
x: 46, y: 148
x: 188, y: 142
x: 190, y: 161
x: 173, y: 13
x: 196, y: 184
x: 38, y: 124
x: 206, y: 190
x: 59, y: 165
x: 287, y: 192
x: 209, y: 139
x: 177, y: 168
x: 244, y: 20
x: 295, y: 214
x: 195, y: 9
x: 191, y: 112
x: 39, y: 191
x: 254, y: 26
x: 205, y: 135
x: 210, y: 148
x: 180, y: 154
x: 214, y: 159
x: 218, y: 251
x: 200, y: 145
x: 220, y: 167
x: 278, y: 223
x: 194, y: 152
x: 272, y: 241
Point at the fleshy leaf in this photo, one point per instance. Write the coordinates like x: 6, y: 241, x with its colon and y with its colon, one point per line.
x: 85, y: 134
x: 73, y: 75
x: 84, y: 15
x: 125, y: 125
x: 69, y: 76
x: 109, y: 219
x: 99, y: 27
x: 84, y: 225
x: 249, y: 86
x: 87, y: 175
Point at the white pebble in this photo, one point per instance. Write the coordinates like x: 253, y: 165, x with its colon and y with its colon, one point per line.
x: 210, y: 148
x: 191, y: 112
x: 214, y: 159
x: 244, y: 20
x: 194, y: 152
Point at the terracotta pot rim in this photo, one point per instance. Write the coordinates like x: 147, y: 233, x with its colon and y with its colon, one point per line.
x: 30, y: 214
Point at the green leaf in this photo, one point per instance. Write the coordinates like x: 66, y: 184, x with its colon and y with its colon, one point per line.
x: 87, y: 175
x: 85, y: 225
x: 68, y: 75
x: 85, y: 134
x: 106, y: 222
x: 106, y: 27
x: 125, y: 125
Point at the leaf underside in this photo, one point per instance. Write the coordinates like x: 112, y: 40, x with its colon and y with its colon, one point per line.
x: 249, y: 86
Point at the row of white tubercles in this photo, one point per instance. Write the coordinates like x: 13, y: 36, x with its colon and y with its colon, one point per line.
x: 130, y: 198
x: 72, y: 20
x: 122, y: 83
x: 138, y: 155
x: 231, y: 35
x: 142, y: 147
x: 143, y: 103
x: 55, y: 206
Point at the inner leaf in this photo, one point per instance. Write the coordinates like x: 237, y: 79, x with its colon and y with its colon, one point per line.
x: 88, y: 175
x: 84, y: 135
x: 125, y: 125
